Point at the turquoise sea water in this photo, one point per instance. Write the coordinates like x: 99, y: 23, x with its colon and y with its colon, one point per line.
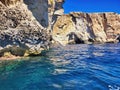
x: 74, y: 67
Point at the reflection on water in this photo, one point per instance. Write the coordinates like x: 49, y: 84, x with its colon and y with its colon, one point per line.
x: 74, y: 67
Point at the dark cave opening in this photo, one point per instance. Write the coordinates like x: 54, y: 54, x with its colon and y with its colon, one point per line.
x: 118, y: 38
x: 74, y: 39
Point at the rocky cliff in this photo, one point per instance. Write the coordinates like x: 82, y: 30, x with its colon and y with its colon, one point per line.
x: 26, y: 26
x: 55, y: 10
x: 87, y: 28
x: 22, y: 31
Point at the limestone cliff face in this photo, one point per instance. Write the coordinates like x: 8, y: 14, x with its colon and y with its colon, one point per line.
x: 44, y: 11
x: 25, y: 26
x: 55, y: 10
x: 87, y: 28
x: 21, y: 33
x: 56, y: 7
x: 9, y: 3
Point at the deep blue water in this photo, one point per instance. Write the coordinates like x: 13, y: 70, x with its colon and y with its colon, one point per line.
x: 74, y: 67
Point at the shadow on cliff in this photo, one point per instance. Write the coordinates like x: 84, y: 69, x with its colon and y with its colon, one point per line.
x: 73, y: 38
x: 118, y: 38
x: 39, y: 9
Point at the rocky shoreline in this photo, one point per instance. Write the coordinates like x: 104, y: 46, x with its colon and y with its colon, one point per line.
x: 10, y: 58
x: 29, y: 27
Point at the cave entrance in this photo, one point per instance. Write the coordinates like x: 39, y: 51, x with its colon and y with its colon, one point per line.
x: 74, y: 39
x: 118, y: 38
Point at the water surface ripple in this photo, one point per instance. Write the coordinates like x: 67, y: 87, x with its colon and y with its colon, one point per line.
x: 73, y: 67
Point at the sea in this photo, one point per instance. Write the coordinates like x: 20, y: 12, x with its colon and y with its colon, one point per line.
x: 71, y: 67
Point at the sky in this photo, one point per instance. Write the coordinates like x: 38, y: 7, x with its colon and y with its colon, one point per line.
x: 92, y: 6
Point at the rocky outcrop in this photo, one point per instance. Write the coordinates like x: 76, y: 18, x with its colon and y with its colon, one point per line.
x: 55, y: 10
x: 26, y: 27
x: 44, y: 11
x: 87, y: 28
x: 56, y: 7
x: 21, y: 34
x: 9, y: 3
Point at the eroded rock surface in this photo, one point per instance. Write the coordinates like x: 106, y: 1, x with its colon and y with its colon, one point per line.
x: 20, y: 32
x: 55, y: 10
x: 26, y: 26
x: 87, y: 28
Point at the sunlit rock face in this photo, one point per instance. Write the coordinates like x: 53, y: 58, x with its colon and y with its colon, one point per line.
x: 25, y: 25
x: 87, y: 28
x: 21, y: 33
x: 56, y: 7
x: 62, y: 28
x: 9, y: 3
x: 55, y: 10
x: 42, y: 10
